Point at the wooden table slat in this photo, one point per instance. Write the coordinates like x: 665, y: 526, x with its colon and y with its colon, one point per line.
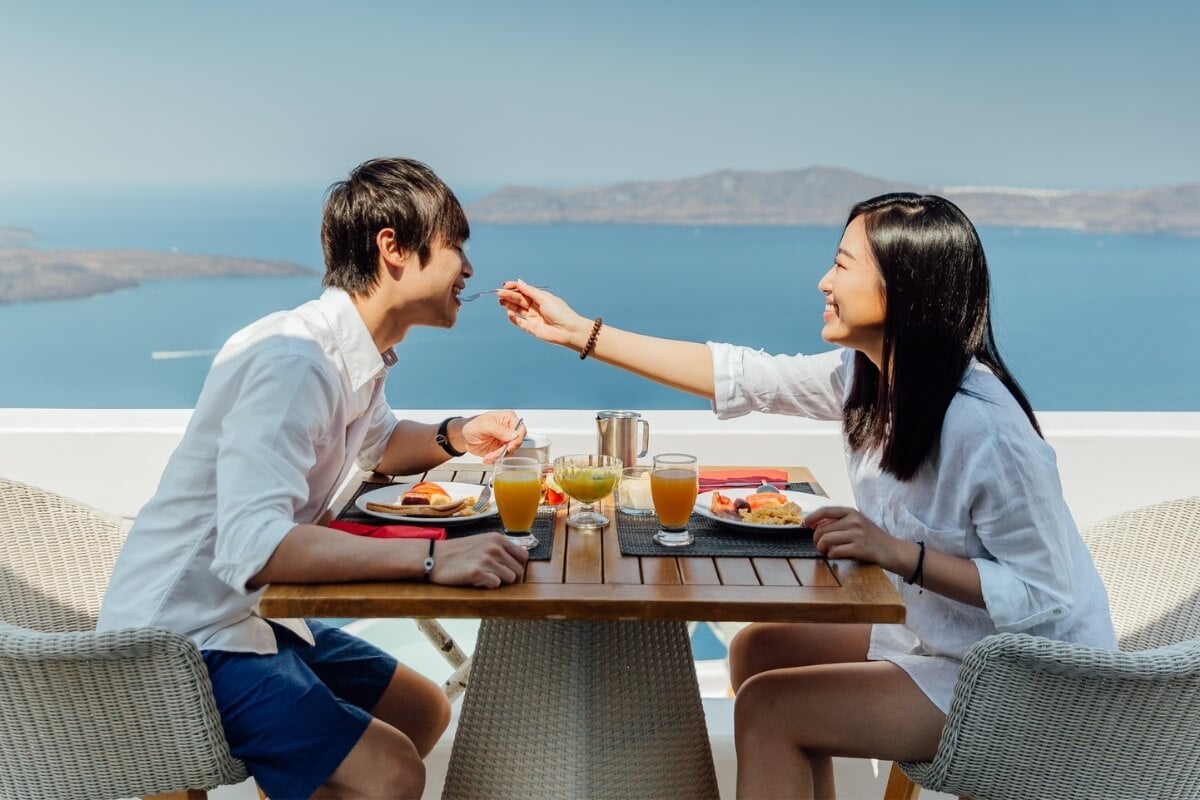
x: 736, y: 572
x: 775, y: 572
x: 699, y: 571
x: 584, y: 556
x: 660, y: 571
x: 813, y: 572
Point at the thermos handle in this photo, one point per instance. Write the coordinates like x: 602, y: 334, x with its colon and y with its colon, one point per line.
x: 645, y: 425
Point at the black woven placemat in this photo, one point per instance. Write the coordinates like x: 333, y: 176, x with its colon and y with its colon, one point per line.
x: 543, y: 527
x: 636, y: 535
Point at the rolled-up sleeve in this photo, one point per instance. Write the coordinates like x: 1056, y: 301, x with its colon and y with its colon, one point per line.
x: 748, y: 380
x: 266, y: 449
x: 1024, y: 524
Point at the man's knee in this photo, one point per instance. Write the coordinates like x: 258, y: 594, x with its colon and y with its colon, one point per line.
x: 384, y: 763
x: 418, y: 707
x: 406, y: 776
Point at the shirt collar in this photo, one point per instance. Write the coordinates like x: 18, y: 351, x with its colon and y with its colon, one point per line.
x: 363, y: 360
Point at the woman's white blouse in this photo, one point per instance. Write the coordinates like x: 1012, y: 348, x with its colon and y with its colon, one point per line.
x: 990, y: 492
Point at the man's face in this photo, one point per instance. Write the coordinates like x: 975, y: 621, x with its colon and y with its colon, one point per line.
x: 437, y: 285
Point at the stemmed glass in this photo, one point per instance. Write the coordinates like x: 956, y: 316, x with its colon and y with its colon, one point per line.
x: 674, y: 483
x: 587, y: 479
x: 517, y: 483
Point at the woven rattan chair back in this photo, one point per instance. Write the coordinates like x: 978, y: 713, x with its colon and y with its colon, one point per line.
x: 1148, y: 559
x: 56, y: 556
x: 92, y: 715
x: 1107, y: 707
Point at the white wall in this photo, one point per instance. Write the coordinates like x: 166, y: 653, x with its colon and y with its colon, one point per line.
x: 1109, y: 461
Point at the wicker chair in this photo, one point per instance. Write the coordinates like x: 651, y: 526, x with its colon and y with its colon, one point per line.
x: 92, y: 715
x: 1033, y: 717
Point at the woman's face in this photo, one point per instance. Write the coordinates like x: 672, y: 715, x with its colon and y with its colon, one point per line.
x: 854, y: 301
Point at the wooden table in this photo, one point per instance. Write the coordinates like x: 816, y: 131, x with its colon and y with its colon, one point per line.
x: 583, y: 683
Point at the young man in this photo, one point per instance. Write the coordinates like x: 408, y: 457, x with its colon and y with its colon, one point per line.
x: 291, y: 403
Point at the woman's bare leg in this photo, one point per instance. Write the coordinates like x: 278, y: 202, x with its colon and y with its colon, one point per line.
x: 789, y: 722
x: 766, y: 646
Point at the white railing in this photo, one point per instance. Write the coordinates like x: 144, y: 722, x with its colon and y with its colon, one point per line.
x: 1109, y: 461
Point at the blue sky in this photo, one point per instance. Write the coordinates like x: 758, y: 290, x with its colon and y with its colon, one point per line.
x: 1052, y: 94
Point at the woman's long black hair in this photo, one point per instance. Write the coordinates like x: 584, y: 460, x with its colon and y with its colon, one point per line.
x: 937, y: 317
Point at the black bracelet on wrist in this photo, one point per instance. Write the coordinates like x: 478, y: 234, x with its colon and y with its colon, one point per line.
x: 918, y: 576
x: 443, y: 439
x: 429, y: 562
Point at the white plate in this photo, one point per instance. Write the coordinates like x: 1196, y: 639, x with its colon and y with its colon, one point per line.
x: 391, y: 494
x: 808, y: 503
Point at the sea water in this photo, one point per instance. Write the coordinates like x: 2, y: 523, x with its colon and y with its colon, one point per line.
x: 1086, y: 321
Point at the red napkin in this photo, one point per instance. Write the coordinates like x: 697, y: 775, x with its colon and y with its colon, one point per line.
x: 741, y: 478
x: 389, y: 531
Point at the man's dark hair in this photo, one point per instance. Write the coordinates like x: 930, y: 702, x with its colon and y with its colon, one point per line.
x: 936, y: 319
x: 396, y: 193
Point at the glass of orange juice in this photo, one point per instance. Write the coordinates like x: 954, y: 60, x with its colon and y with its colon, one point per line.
x: 674, y: 483
x: 517, y: 484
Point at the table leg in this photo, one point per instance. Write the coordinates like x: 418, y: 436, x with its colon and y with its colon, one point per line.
x: 582, y: 710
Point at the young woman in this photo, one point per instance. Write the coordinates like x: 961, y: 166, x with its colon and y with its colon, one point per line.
x: 958, y: 496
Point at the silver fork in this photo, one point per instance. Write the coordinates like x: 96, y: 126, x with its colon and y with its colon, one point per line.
x: 485, y: 496
x: 472, y: 297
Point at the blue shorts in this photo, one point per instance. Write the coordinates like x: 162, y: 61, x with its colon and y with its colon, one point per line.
x: 292, y: 717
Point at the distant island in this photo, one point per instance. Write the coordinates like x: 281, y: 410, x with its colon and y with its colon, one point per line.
x: 27, y: 274
x: 823, y: 196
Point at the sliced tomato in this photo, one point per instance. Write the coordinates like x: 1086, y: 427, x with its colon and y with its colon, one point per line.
x: 722, y: 506
x: 756, y: 501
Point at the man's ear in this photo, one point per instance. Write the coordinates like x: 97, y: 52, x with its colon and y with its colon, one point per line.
x: 392, y: 256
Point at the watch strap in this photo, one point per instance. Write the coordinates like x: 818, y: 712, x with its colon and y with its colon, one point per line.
x: 443, y: 439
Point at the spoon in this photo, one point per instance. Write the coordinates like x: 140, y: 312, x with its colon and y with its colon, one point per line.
x: 766, y: 488
x: 470, y: 297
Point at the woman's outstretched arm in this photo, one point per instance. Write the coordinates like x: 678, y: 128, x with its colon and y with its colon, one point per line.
x: 686, y: 366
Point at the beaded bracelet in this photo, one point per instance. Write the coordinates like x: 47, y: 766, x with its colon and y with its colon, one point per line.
x: 591, y: 342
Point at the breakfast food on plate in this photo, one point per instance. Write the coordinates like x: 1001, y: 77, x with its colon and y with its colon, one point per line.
x: 426, y: 499
x: 425, y: 493
x: 552, y: 493
x: 787, y: 513
x: 767, y: 508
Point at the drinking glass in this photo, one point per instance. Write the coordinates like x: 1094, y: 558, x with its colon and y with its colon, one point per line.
x: 517, y: 484
x: 674, y: 483
x: 587, y: 479
x: 633, y: 492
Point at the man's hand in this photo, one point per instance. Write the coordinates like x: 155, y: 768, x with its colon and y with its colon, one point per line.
x: 493, y: 435
x: 487, y: 560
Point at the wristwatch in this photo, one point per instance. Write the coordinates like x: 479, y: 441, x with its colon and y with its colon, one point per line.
x: 443, y: 439
x: 429, y: 562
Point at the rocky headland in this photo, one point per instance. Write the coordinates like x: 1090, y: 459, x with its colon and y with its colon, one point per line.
x: 27, y: 274
x: 823, y: 196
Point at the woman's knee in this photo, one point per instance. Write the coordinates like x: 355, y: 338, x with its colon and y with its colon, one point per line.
x: 756, y: 708
x: 751, y: 652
